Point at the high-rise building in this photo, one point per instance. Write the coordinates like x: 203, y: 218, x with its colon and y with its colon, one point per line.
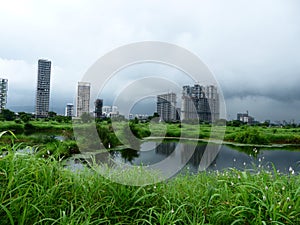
x: 69, y: 110
x: 200, y: 102
x: 98, y: 108
x: 166, y: 107
x: 43, y: 89
x: 3, y: 93
x: 83, y: 98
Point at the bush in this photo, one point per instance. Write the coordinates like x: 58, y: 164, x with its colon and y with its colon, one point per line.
x: 251, y: 136
x: 12, y: 126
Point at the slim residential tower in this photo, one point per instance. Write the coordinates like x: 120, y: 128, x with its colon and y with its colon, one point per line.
x: 43, y: 89
x: 3, y: 93
x: 83, y: 98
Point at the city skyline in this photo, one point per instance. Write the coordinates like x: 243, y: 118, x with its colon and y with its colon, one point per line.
x: 252, y: 48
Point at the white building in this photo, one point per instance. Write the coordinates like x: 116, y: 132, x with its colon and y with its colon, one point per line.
x: 69, y: 111
x: 110, y: 111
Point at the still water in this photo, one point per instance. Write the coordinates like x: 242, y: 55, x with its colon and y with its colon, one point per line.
x: 195, y: 157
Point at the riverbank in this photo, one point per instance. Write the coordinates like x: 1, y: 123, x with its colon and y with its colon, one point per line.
x: 41, y: 135
x: 216, y: 141
x: 42, y: 191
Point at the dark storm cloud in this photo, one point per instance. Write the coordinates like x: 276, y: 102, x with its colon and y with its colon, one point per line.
x: 252, y: 47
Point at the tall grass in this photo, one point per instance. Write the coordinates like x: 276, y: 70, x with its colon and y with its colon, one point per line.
x: 41, y: 191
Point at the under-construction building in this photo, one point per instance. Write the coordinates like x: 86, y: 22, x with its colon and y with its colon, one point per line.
x: 200, y: 102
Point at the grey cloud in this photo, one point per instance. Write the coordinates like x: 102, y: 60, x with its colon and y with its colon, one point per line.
x: 252, y: 47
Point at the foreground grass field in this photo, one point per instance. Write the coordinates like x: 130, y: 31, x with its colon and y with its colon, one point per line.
x: 41, y: 191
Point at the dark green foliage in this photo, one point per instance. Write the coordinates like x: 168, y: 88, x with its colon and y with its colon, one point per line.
x: 107, y: 136
x: 234, y: 123
x: 52, y: 114
x: 25, y: 117
x: 7, y: 115
x: 16, y: 128
x: 251, y: 136
x: 139, y: 130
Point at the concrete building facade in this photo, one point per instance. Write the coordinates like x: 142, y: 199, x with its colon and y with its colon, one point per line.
x: 3, y: 93
x: 166, y: 107
x: 83, y: 98
x: 200, y: 102
x: 43, y: 89
x: 69, y: 111
x: 245, y: 118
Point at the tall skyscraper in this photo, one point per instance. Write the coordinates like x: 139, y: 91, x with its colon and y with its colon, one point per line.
x: 83, y: 98
x: 3, y: 93
x: 98, y: 108
x: 43, y: 89
x: 200, y: 102
x: 166, y: 107
x: 69, y: 110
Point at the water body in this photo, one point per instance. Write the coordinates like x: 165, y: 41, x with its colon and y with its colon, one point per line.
x: 195, y: 157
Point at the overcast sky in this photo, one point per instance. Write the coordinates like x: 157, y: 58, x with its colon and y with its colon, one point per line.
x: 252, y: 47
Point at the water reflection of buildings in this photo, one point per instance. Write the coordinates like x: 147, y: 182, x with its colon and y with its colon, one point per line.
x: 198, y: 157
x: 186, y: 151
x: 165, y: 148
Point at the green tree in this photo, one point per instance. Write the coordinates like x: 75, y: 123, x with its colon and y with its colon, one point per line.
x: 7, y: 115
x: 25, y: 117
x: 52, y: 114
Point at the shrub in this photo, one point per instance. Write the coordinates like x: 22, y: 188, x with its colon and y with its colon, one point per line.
x: 251, y: 136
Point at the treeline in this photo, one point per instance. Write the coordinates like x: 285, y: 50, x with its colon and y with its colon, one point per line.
x: 262, y: 135
x: 23, y: 117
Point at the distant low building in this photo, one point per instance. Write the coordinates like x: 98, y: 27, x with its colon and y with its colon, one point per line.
x: 110, y: 111
x: 69, y: 111
x: 245, y: 118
